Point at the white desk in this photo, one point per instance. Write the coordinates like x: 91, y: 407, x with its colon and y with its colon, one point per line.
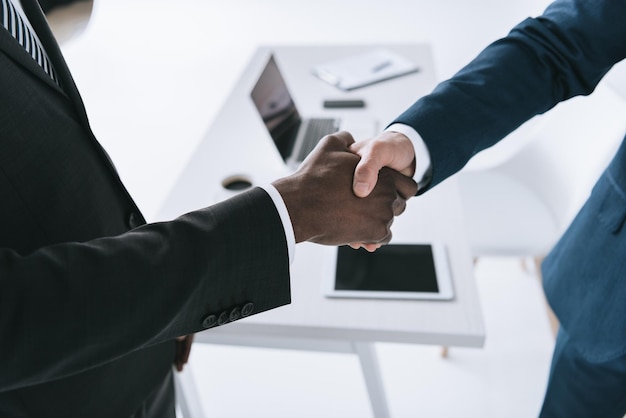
x: 237, y: 143
x: 152, y: 78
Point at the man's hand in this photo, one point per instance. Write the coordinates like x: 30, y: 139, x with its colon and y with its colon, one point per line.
x: 183, y: 348
x: 389, y: 149
x: 322, y: 206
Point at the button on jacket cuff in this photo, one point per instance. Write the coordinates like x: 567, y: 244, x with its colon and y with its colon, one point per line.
x: 226, y: 316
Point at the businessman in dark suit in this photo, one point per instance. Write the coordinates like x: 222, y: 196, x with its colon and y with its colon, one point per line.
x: 92, y: 298
x: 543, y: 61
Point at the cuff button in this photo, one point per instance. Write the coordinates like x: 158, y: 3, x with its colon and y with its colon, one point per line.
x: 210, y: 321
x: 223, y: 318
x: 247, y: 309
x: 235, y: 314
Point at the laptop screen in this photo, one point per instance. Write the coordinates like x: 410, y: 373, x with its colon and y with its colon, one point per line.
x: 276, y: 107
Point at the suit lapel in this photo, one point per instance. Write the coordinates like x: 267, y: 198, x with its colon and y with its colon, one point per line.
x: 13, y: 49
x: 40, y: 25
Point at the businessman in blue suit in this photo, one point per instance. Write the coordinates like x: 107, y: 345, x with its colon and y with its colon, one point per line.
x: 541, y: 62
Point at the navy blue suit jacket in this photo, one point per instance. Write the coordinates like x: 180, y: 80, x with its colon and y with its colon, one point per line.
x: 541, y: 62
x: 91, y: 298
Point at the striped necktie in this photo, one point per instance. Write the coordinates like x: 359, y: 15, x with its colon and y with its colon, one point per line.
x: 13, y: 22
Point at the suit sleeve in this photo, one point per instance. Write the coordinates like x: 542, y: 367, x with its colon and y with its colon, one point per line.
x: 73, y: 306
x: 542, y: 61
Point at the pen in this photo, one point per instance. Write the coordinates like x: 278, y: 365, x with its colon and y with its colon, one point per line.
x: 328, y: 77
x: 381, y: 66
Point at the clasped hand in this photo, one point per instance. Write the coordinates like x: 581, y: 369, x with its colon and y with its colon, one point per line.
x: 323, y: 207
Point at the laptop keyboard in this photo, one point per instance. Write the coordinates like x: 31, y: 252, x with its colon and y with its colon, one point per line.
x: 316, y: 129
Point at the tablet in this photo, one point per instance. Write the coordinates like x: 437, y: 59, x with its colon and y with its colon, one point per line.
x: 394, y: 271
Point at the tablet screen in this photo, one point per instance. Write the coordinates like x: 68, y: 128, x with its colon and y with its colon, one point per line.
x: 391, y: 268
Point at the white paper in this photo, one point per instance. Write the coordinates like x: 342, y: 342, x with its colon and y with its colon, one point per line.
x: 364, y: 69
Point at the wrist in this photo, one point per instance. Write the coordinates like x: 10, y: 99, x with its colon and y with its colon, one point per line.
x: 421, y: 164
x: 288, y: 189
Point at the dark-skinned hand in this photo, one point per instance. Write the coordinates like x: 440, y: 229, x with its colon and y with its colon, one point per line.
x: 323, y: 207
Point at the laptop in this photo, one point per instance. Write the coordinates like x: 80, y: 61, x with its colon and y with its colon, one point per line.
x: 294, y: 136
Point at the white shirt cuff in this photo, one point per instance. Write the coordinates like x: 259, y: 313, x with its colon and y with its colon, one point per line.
x: 284, y: 217
x: 422, y: 156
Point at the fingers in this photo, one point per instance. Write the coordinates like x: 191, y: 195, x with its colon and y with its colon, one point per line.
x: 376, y: 244
x: 389, y: 149
x: 372, y: 247
x: 178, y: 358
x: 406, y: 186
x: 366, y: 172
x: 339, y: 141
x: 183, y: 349
x: 399, y: 205
x: 323, y: 207
x: 369, y: 247
x: 365, y: 177
x: 188, y: 343
x: 401, y: 187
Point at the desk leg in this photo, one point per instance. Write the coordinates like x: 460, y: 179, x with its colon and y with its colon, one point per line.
x: 373, y: 378
x: 187, y: 396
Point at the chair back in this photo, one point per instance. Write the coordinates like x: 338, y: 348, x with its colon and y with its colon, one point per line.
x: 572, y: 145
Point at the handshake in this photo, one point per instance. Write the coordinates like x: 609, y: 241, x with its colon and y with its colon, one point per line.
x: 349, y: 193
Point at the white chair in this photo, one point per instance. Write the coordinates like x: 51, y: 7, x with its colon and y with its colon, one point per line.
x: 616, y: 78
x: 521, y: 206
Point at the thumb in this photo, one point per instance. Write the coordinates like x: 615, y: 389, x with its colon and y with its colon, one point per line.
x: 365, y: 176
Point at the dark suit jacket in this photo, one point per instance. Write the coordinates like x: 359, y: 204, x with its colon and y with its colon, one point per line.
x: 91, y: 299
x: 563, y: 53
